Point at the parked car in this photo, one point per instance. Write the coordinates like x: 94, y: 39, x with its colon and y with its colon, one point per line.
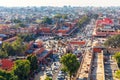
x: 60, y: 77
x: 49, y: 73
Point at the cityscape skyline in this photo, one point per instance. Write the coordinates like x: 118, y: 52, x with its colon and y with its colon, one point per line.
x: 59, y: 3
x: 59, y: 40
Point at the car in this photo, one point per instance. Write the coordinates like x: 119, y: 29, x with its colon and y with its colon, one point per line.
x: 56, y: 67
x: 61, y: 73
x: 55, y: 59
x: 60, y: 77
x: 54, y: 64
x: 107, y: 63
x: 49, y: 73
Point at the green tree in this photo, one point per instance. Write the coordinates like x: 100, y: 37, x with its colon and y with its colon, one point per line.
x: 33, y: 62
x: 5, y: 75
x: 2, y: 78
x: 3, y: 54
x: 70, y: 64
x: 17, y: 21
x: 12, y: 49
x: 95, y: 16
x: 7, y: 49
x: 117, y: 57
x: 18, y: 47
x: 64, y: 16
x: 82, y: 20
x: 22, y: 25
x: 22, y: 69
x: 113, y: 42
x: 17, y: 25
x: 38, y: 21
x: 47, y: 20
x: 26, y: 37
x: 58, y: 16
x: 48, y: 78
x: 14, y: 78
x: 117, y: 74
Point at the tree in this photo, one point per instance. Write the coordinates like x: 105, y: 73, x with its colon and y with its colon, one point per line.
x: 12, y: 49
x: 95, y: 16
x: 117, y: 74
x: 2, y: 78
x: 5, y: 75
x: 113, y: 42
x: 14, y: 78
x: 7, y: 49
x: 17, y: 21
x: 33, y: 62
x: 18, y: 47
x: 47, y: 20
x: 22, y: 69
x: 117, y: 57
x: 48, y: 78
x: 82, y: 20
x: 22, y: 25
x: 70, y: 63
x: 64, y: 16
x: 3, y: 54
x: 26, y: 37
x: 38, y: 21
x: 58, y: 16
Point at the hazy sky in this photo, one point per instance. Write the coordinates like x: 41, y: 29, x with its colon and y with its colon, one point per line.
x: 12, y: 3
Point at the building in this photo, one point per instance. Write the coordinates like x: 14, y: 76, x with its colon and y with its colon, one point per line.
x: 105, y: 27
x: 37, y: 48
x: 97, y: 47
x: 60, y: 29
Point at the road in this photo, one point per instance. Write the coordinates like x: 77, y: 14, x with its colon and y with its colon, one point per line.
x: 81, y: 33
x: 110, y: 67
x: 86, y: 34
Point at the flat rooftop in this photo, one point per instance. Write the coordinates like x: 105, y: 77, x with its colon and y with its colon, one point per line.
x: 44, y: 53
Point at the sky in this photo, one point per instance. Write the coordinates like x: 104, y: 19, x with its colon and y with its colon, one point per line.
x: 24, y: 3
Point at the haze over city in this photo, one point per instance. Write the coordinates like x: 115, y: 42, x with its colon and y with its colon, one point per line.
x: 24, y: 3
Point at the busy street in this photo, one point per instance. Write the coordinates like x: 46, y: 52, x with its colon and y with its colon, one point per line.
x: 53, y: 70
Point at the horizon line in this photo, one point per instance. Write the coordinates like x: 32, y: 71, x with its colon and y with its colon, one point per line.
x: 59, y: 6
